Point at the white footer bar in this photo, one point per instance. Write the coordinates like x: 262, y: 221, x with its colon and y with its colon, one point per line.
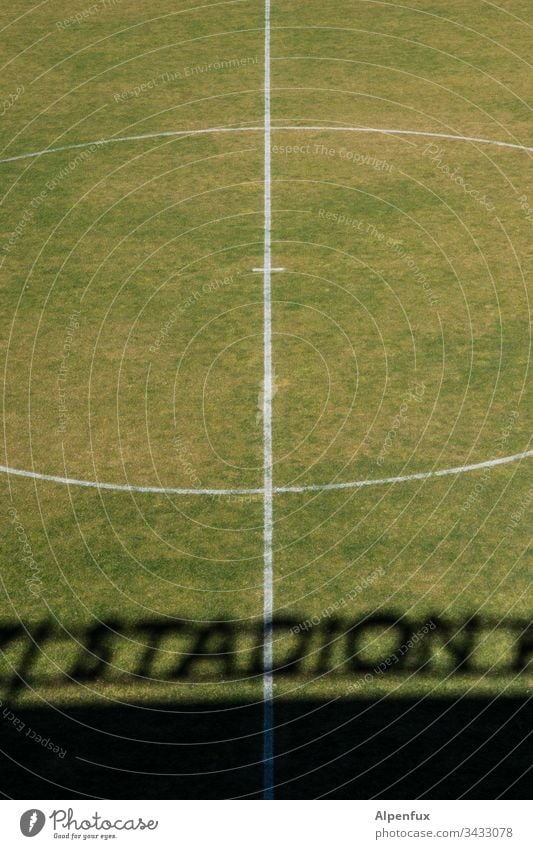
x: 311, y: 824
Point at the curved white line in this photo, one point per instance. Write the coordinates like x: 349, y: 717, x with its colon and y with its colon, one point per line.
x: 402, y: 478
x: 177, y: 133
x: 161, y: 490
x: 277, y: 490
x: 258, y: 491
x: 101, y: 142
x: 413, y: 133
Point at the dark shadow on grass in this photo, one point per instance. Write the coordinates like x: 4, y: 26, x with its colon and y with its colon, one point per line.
x: 432, y: 748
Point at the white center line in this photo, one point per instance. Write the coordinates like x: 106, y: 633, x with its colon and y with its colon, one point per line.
x: 268, y: 594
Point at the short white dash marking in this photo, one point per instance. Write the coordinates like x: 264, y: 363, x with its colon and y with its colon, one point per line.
x: 262, y: 270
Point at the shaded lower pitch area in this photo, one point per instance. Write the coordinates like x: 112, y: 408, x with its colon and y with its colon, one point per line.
x: 359, y: 748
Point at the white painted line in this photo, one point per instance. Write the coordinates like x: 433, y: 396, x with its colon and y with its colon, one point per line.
x: 116, y: 139
x: 390, y: 132
x: 160, y: 490
x: 284, y: 128
x: 272, y: 269
x: 276, y: 490
x: 268, y: 502
x: 419, y: 476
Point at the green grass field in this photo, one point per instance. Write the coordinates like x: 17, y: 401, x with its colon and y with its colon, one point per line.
x: 132, y: 340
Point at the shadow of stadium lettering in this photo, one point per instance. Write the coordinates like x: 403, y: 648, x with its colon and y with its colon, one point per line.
x: 353, y: 742
x: 230, y: 651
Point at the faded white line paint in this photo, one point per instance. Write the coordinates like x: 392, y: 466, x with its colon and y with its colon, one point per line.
x: 144, y: 137
x: 285, y: 128
x: 391, y: 132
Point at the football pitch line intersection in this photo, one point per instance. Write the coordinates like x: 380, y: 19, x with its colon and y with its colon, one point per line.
x: 276, y: 490
x: 170, y: 134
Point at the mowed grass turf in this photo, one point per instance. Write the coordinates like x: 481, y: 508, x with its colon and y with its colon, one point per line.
x: 133, y: 349
x: 134, y: 322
